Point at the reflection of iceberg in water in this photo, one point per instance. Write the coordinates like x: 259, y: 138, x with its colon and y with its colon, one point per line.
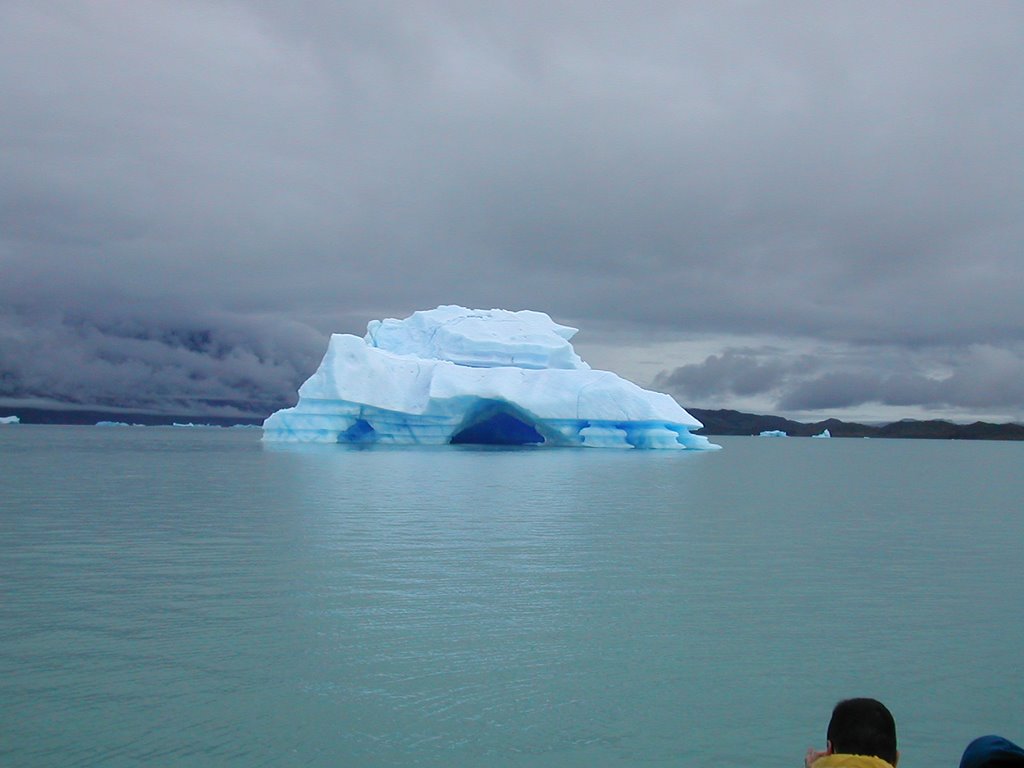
x: 455, y: 375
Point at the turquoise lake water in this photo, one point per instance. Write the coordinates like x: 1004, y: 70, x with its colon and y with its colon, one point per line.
x: 194, y: 597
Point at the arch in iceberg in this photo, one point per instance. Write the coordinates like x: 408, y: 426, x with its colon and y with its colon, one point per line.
x: 361, y: 432
x: 495, y: 422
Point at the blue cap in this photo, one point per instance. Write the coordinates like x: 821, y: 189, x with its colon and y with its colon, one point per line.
x: 992, y: 752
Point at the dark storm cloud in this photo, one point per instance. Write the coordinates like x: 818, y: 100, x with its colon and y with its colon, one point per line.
x: 740, y: 372
x: 161, y: 360
x: 844, y: 172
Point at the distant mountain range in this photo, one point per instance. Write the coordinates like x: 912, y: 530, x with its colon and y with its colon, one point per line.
x: 72, y: 417
x: 720, y: 422
x: 726, y: 422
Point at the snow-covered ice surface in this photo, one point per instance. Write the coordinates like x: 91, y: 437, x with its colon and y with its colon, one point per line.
x: 456, y: 375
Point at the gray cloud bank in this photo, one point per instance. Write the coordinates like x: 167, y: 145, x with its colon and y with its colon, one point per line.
x: 846, y: 175
x: 982, y: 377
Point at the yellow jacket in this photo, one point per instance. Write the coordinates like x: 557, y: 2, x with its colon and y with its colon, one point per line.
x: 850, y: 761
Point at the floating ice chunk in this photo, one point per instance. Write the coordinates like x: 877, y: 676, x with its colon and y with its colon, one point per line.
x: 455, y: 375
x: 773, y: 433
x: 826, y: 433
x: 10, y: 420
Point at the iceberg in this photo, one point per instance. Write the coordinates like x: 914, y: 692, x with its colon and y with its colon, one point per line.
x: 495, y: 377
x: 10, y: 420
x: 825, y: 433
x: 773, y: 433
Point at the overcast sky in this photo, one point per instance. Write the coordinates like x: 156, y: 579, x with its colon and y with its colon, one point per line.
x: 806, y: 208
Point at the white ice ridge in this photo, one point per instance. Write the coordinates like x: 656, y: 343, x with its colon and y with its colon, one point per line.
x: 456, y: 375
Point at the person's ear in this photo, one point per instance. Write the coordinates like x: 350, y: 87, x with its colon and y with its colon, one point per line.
x: 830, y: 751
x: 896, y: 761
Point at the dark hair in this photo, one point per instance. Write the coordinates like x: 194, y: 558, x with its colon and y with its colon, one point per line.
x: 863, y: 727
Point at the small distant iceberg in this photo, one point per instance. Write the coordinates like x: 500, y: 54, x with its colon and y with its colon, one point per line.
x: 826, y: 433
x: 9, y: 420
x: 773, y: 433
x: 453, y: 375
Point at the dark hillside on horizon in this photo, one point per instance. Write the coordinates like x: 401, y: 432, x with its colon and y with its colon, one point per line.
x: 91, y: 417
x: 716, y: 422
x: 728, y: 422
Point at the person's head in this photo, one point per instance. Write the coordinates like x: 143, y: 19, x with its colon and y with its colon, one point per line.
x: 992, y: 752
x: 863, y: 727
